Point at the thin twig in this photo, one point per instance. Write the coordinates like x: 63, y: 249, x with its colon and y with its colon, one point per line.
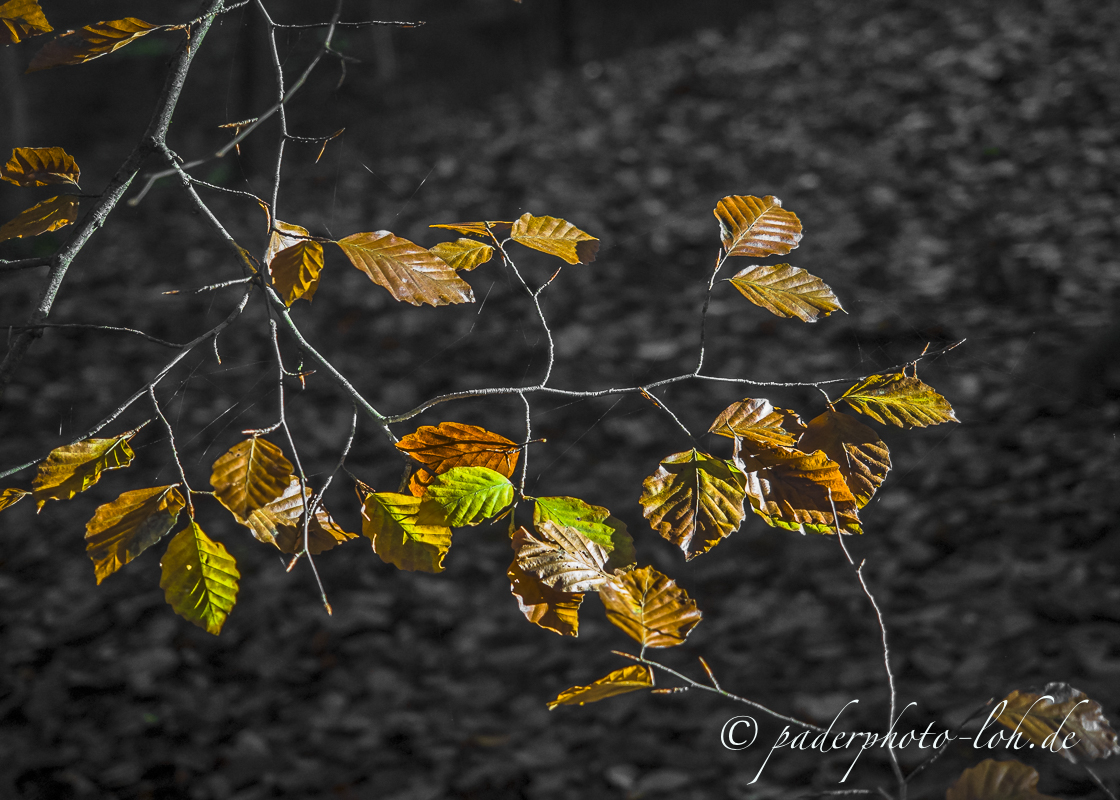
x: 23, y: 263
x: 1099, y: 782
x: 93, y: 327
x: 174, y: 450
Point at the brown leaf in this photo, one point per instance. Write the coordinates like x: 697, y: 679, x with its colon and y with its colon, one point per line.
x: 74, y: 468
x: 1047, y: 719
x: 125, y: 528
x: 542, y: 605
x: 900, y: 400
x: 862, y: 456
x: 561, y: 557
x: 90, y: 42
x: 790, y: 489
x: 755, y: 227
x: 650, y: 607
x: 11, y: 496
x: 621, y: 681
x: 250, y: 475
x: 997, y: 780
x: 283, y: 236
x: 20, y: 19
x: 280, y: 523
x: 453, y: 444
x: 756, y: 423
x: 786, y: 291
x: 40, y: 166
x: 49, y: 215
x: 463, y: 255
x: 410, y: 273
x: 557, y: 237
x: 500, y: 229
x: 295, y: 271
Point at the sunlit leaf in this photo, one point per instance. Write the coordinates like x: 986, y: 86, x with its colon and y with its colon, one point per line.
x: 295, y: 271
x: 595, y: 522
x: 408, y: 532
x: 49, y: 215
x: 453, y: 444
x: 791, y: 489
x: 125, y: 528
x: 470, y: 495
x: 74, y: 468
x: 562, y: 557
x: 11, y: 496
x: 463, y: 255
x: 410, y: 273
x: 250, y: 475
x: 862, y: 456
x: 997, y: 780
x: 500, y: 229
x: 900, y: 400
x: 199, y: 579
x: 541, y: 604
x: 280, y: 523
x: 786, y: 291
x: 557, y: 237
x: 650, y: 607
x: 621, y: 681
x: 40, y: 166
x: 20, y: 19
x: 283, y: 236
x: 1047, y: 719
x: 90, y: 42
x: 756, y: 423
x: 750, y: 226
x: 693, y: 500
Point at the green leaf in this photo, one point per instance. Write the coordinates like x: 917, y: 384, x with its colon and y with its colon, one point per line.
x: 621, y: 681
x: 899, y: 400
x: 594, y: 522
x: 863, y: 458
x: 74, y: 468
x: 123, y: 529
x: 786, y: 291
x: 199, y: 578
x: 650, y: 607
x: 406, y: 531
x: 250, y: 475
x: 470, y: 495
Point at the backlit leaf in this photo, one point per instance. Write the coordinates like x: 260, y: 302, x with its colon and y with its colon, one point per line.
x: 693, y: 500
x: 90, y: 42
x: 621, y: 681
x: 11, y: 496
x: 283, y: 236
x: 280, y: 523
x: 786, y: 291
x: 561, y: 557
x: 40, y: 166
x: 997, y: 780
x: 406, y: 531
x: 750, y: 226
x: 650, y: 607
x: 453, y: 444
x: 790, y: 489
x: 541, y: 604
x: 322, y: 534
x: 74, y: 468
x: 1048, y: 717
x: 756, y: 423
x: 410, y: 273
x: 899, y: 400
x: 557, y: 237
x: 500, y: 229
x: 295, y: 271
x: 199, y: 579
x: 250, y: 475
x: 49, y: 215
x: 862, y: 456
x: 125, y: 528
x: 470, y: 495
x: 594, y: 522
x: 20, y: 19
x: 463, y: 255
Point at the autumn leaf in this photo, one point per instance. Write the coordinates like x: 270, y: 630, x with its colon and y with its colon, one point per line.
x: 250, y: 475
x: 280, y: 523
x: 562, y: 557
x: 595, y: 522
x: 786, y: 291
x: 795, y: 490
x: 863, y: 458
x: 621, y: 681
x: 470, y: 495
x: 410, y: 273
x: 11, y: 496
x: 125, y: 528
x: 1047, y: 719
x: 997, y: 780
x: 40, y: 166
x: 295, y: 271
x: 755, y: 227
x: 693, y: 500
x: 500, y: 229
x: 283, y: 236
x: 557, y: 237
x: 74, y: 468
x: 900, y: 400
x: 199, y: 578
x: 463, y: 255
x: 453, y: 444
x: 650, y: 607
x: 20, y: 19
x: 542, y: 605
x: 756, y: 423
x: 90, y: 42
x: 406, y: 531
x: 49, y: 215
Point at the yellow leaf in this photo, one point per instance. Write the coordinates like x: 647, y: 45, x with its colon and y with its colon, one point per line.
x: 786, y: 291
x: 283, y: 236
x: 20, y: 19
x: 621, y: 681
x: 650, y: 607
x: 542, y: 605
x: 557, y: 237
x: 500, y: 229
x: 406, y: 531
x: 1048, y: 718
x: 49, y: 215
x: 463, y: 255
x: 11, y: 496
x: 899, y: 400
x: 755, y: 227
x: 74, y: 468
x: 280, y: 523
x: 199, y: 578
x: 863, y: 458
x: 453, y: 444
x: 794, y: 490
x: 756, y: 423
x: 90, y: 42
x: 40, y: 166
x: 295, y: 271
x: 409, y: 272
x: 562, y: 557
x: 997, y: 780
x: 125, y: 528
x: 250, y: 475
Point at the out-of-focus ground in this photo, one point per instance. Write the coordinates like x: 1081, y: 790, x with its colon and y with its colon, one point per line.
x: 955, y: 166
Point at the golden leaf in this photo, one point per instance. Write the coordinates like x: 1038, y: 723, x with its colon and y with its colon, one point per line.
x: 20, y: 19
x: 756, y: 423
x: 453, y: 444
x: 899, y: 400
x: 49, y: 215
x: 795, y: 490
x: 786, y: 291
x: 409, y: 272
x: 997, y: 780
x: 74, y: 468
x: 280, y: 523
x: 621, y: 681
x: 561, y: 557
x: 542, y: 605
x: 295, y: 271
x: 11, y: 496
x: 283, y: 236
x: 1057, y: 715
x: 755, y: 227
x: 863, y: 458
x: 123, y: 529
x: 406, y: 531
x: 250, y: 475
x: 90, y: 42
x: 557, y: 237
x: 199, y: 578
x: 463, y: 255
x: 40, y: 166
x: 650, y: 607
x: 500, y: 229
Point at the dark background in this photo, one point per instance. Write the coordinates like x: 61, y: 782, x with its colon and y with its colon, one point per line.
x: 955, y: 167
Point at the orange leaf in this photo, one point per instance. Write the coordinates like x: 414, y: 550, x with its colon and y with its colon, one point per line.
x: 863, y: 458
x: 90, y: 42
x: 790, y: 489
x: 410, y: 273
x: 755, y: 227
x: 756, y: 423
x: 49, y: 215
x: 453, y: 444
x: 20, y: 19
x: 650, y: 607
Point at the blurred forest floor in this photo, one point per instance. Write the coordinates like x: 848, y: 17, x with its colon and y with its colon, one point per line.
x: 955, y: 166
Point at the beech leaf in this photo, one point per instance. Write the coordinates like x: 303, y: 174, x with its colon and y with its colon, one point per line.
x: 786, y: 291
x: 900, y: 400
x: 125, y: 528
x: 542, y: 605
x: 74, y: 468
x: 49, y: 215
x: 557, y: 237
x: 250, y: 475
x: 750, y: 226
x: 997, y: 780
x: 791, y: 489
x: 863, y: 458
x: 621, y: 681
x: 409, y: 272
x: 463, y: 255
x: 199, y: 578
x: 406, y: 531
x: 595, y: 522
x: 500, y: 229
x: 283, y: 236
x: 470, y: 495
x: 11, y: 496
x: 650, y: 607
x: 280, y: 523
x: 295, y: 271
x: 453, y: 444
x: 20, y: 19
x: 1048, y: 717
x: 40, y: 166
x: 756, y: 423
x: 90, y: 42
x: 561, y: 557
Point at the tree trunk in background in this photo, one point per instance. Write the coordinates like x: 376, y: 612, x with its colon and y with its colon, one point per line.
x: 15, y: 101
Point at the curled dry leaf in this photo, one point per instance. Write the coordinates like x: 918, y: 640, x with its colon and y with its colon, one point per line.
x: 756, y: 423
x: 900, y: 400
x: 786, y: 291
x: 650, y: 607
x: 470, y: 495
x: 280, y: 523
x: 542, y: 605
x: 199, y: 578
x: 621, y: 681
x: 125, y: 528
x: 90, y: 42
x: 595, y: 522
x: 791, y: 489
x: 997, y: 780
x: 11, y: 496
x: 250, y: 475
x: 750, y: 226
x: 463, y: 255
x: 500, y: 229
x: 295, y: 271
x: 1048, y: 718
x: 408, y: 271
x: 406, y: 531
x: 49, y: 215
x: 453, y: 444
x: 863, y: 458
x: 20, y: 19
x: 74, y: 468
x: 557, y: 237
x: 40, y: 166
x: 562, y: 557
